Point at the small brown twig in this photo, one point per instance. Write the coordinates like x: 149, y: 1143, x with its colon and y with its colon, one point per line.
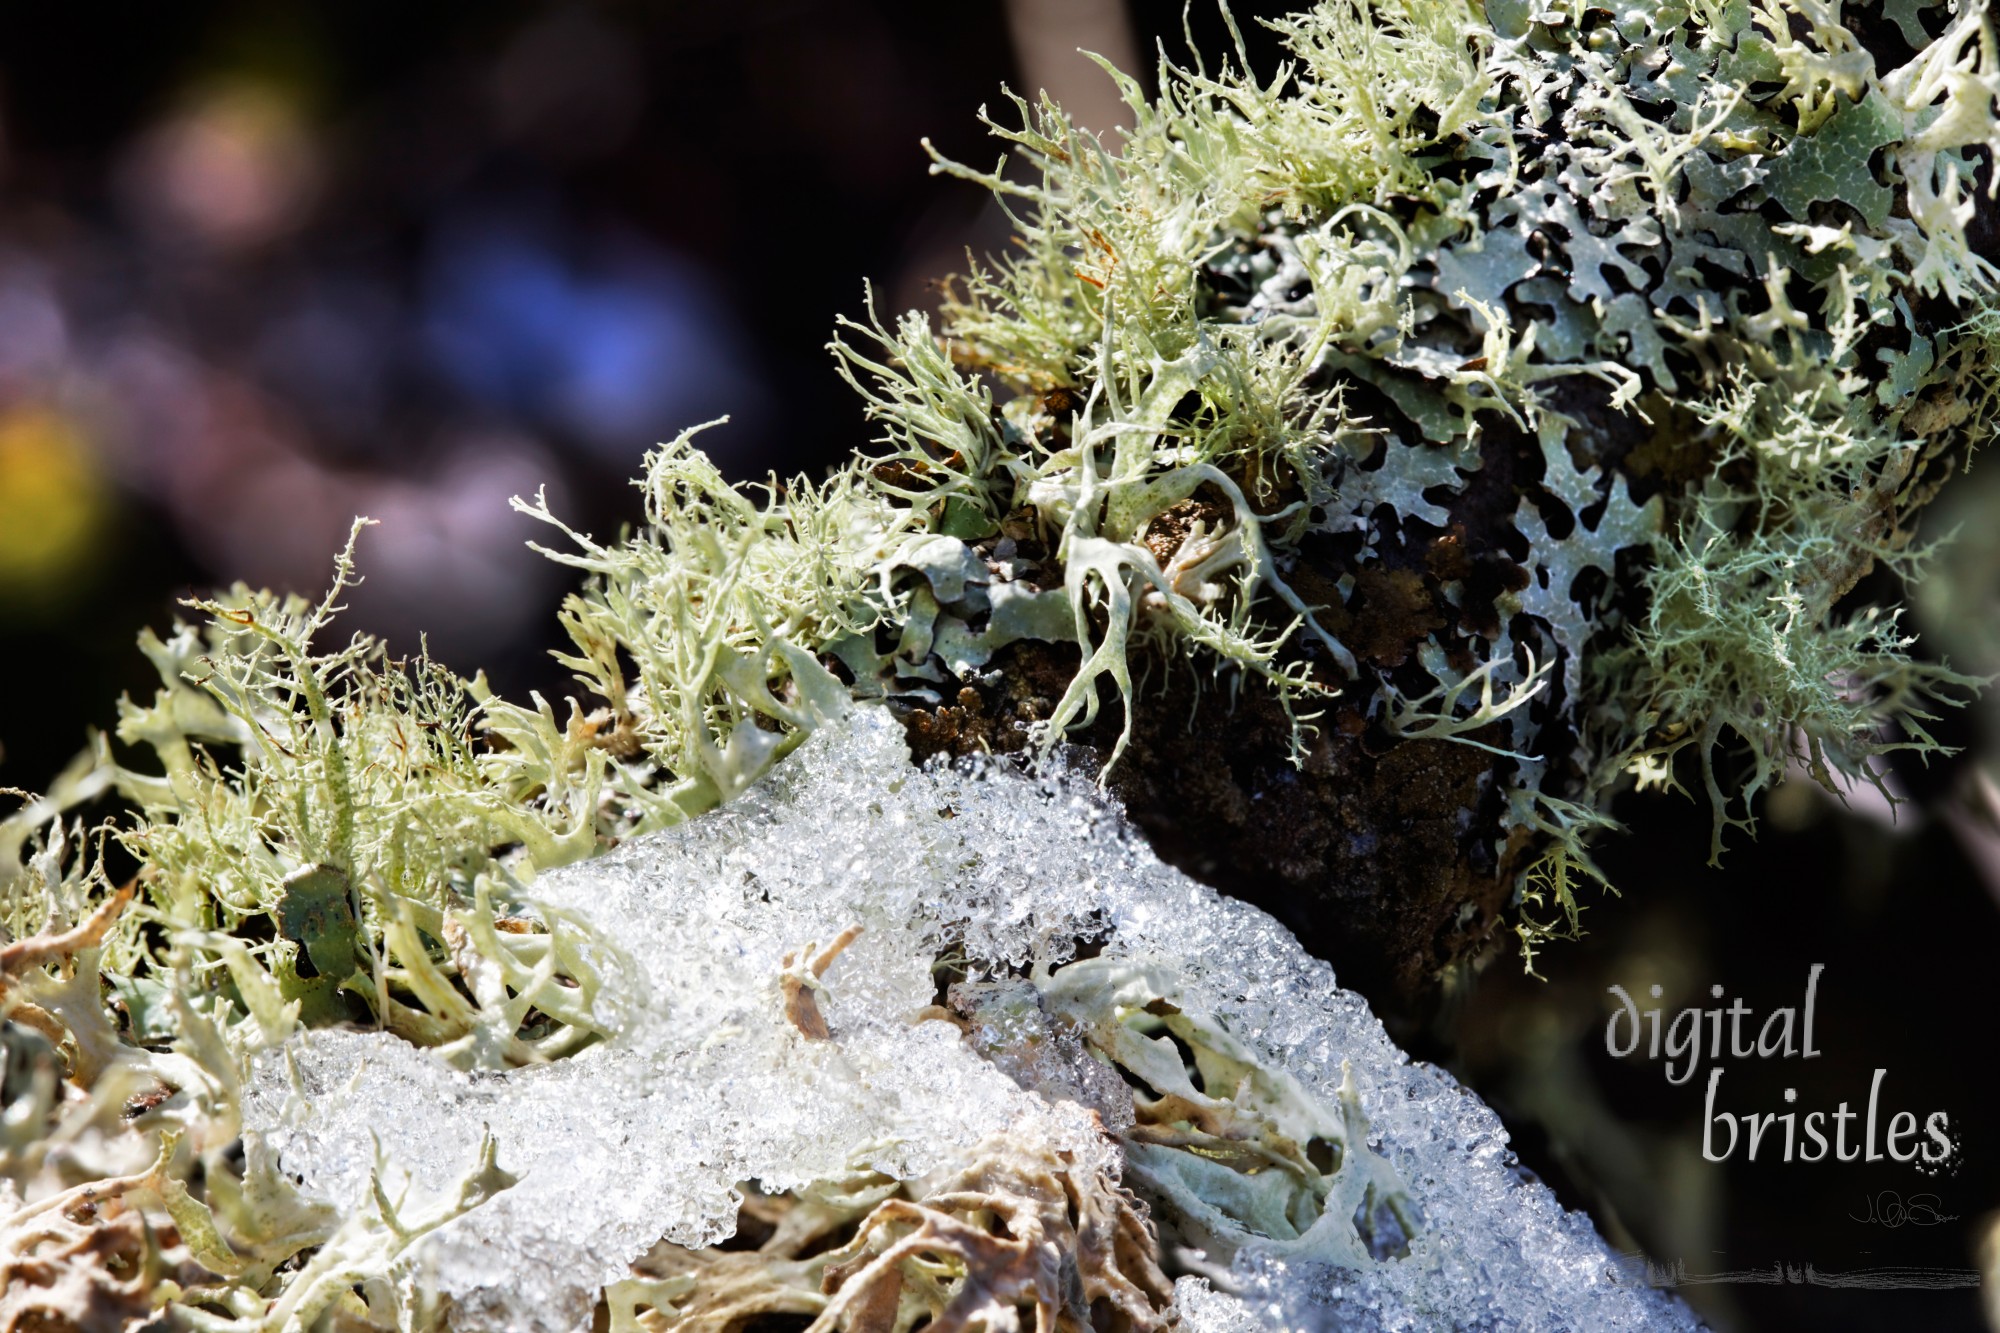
x: 800, y: 980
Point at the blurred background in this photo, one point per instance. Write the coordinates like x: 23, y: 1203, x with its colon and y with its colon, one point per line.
x: 267, y: 266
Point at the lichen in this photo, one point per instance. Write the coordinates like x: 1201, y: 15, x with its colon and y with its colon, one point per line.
x: 968, y: 1251
x: 1329, y: 300
x: 1542, y: 381
x: 1232, y: 1151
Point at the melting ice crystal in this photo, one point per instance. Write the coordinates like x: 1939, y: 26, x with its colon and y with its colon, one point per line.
x: 707, y: 1084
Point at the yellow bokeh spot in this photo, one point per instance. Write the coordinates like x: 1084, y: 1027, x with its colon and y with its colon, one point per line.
x: 52, y: 503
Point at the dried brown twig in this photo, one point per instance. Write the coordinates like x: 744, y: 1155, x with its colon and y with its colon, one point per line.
x: 800, y: 982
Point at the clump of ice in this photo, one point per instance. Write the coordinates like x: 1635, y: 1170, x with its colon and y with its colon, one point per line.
x: 708, y: 1084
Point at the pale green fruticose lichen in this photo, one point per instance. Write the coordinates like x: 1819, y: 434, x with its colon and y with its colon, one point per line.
x: 1712, y: 250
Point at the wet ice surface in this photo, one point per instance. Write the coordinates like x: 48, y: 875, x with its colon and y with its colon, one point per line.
x: 708, y: 1084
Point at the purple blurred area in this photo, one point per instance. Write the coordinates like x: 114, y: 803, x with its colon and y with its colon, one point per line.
x: 268, y: 266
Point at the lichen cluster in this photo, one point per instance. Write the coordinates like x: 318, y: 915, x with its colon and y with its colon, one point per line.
x: 1230, y: 1151
x: 1580, y: 361
x: 969, y: 1251
x: 1537, y: 380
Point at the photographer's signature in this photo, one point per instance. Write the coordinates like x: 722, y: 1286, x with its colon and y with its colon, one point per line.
x: 1889, y: 1209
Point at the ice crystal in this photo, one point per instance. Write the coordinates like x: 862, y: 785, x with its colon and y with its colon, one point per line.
x: 709, y: 1083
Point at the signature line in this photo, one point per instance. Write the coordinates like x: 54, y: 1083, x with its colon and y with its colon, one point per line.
x: 1640, y: 1270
